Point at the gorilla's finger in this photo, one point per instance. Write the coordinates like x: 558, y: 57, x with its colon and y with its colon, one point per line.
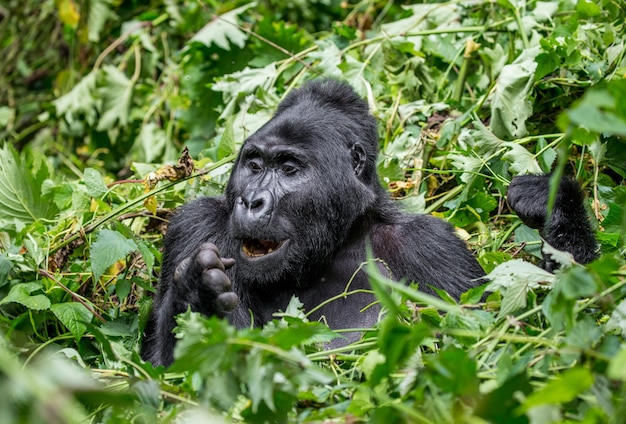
x: 180, y: 274
x: 207, y: 258
x: 226, y: 302
x: 228, y: 262
x: 216, y: 280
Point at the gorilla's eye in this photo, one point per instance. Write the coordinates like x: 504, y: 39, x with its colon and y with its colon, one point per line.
x: 287, y: 169
x: 254, y: 166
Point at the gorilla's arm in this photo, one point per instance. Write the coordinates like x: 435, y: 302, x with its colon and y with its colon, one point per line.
x: 568, y: 226
x: 193, y: 275
x: 425, y: 250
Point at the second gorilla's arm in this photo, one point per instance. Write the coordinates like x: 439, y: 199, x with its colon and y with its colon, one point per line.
x: 568, y: 227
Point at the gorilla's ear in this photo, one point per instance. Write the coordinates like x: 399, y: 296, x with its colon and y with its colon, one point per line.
x: 358, y: 158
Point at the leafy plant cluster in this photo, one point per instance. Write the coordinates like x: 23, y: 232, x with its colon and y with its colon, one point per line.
x: 98, y: 98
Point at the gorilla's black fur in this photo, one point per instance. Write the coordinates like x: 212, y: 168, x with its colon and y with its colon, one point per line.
x: 302, y: 204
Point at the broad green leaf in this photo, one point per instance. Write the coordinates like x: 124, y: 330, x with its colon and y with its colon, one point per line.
x: 21, y: 200
x: 95, y: 183
x: 547, y: 63
x: 116, y: 93
x: 530, y: 238
x: 618, y: 318
x: 109, y: 247
x: 470, y: 165
x: 227, y: 142
x: 545, y: 10
x: 518, y: 271
x: 223, y: 30
x: 588, y: 8
x: 454, y: 371
x: 602, y: 109
x: 7, y: 115
x: 513, y: 299
x: 522, y: 161
x: 565, y: 259
x: 585, y: 334
x: 372, y: 361
x: 239, y: 84
x: 148, y: 256
x: 617, y: 365
x: 99, y: 13
x: 73, y: 315
x: 514, y: 278
x: 511, y: 105
x: 152, y: 140
x: 21, y: 293
x: 329, y: 57
x: 80, y: 101
x: 122, y: 289
x: 564, y: 388
x: 576, y: 282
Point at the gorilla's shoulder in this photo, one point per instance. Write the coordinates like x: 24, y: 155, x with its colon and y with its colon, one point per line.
x: 200, y: 213
x: 426, y: 231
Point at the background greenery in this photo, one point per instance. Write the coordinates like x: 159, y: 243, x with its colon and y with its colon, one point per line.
x: 98, y: 98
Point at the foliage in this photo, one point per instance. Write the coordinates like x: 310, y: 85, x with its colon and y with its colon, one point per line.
x: 98, y: 99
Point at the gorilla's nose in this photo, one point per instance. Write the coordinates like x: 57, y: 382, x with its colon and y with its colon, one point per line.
x: 255, y: 206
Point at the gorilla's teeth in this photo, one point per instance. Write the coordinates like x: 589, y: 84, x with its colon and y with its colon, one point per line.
x: 255, y: 248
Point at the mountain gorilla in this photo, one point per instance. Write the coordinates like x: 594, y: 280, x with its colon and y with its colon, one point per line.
x: 302, y: 204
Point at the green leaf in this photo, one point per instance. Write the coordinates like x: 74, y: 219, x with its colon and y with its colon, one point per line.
x: 147, y: 254
x: 546, y: 64
x: 602, y: 109
x: 227, y: 142
x: 95, y: 183
x: 328, y: 56
x: 617, y: 365
x: 514, y: 278
x: 152, y: 140
x: 513, y: 300
x: 499, y: 406
x: 116, y: 94
x: 99, y: 13
x: 237, y: 85
x: 397, y: 343
x: 530, y: 237
x: 73, y: 315
x: 516, y: 272
x: 122, y: 289
x: 21, y: 293
x: 21, y: 199
x: 80, y: 102
x: 588, y: 8
x: 511, y: 105
x: 577, y: 282
x: 109, y: 247
x: 454, y: 371
x: 562, y: 389
x: 223, y: 30
x: 7, y: 115
x: 618, y: 318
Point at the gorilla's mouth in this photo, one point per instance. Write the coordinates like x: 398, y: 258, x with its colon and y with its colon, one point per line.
x: 254, y: 248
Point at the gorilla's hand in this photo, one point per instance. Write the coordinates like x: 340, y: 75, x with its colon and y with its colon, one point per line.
x: 203, y: 277
x: 528, y: 196
x: 568, y: 227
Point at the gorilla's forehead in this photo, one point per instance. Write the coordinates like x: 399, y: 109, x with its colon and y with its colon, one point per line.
x: 314, y: 129
x: 272, y: 147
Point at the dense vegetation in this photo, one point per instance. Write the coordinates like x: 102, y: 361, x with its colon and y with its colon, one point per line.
x: 98, y: 98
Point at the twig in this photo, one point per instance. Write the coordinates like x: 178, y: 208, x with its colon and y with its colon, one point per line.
x: 76, y: 297
x: 116, y: 43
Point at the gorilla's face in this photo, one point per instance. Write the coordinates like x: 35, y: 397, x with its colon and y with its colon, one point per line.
x: 294, y: 194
